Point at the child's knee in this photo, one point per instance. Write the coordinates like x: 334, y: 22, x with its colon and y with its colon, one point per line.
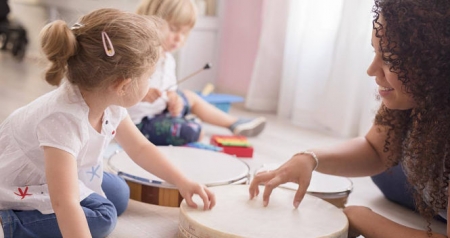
x: 105, y: 223
x: 123, y: 196
x: 117, y: 191
x: 191, y: 132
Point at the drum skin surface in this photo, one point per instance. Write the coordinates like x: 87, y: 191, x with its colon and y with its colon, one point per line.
x: 236, y: 216
x: 203, y: 166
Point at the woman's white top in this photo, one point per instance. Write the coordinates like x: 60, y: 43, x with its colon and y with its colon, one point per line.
x: 163, y: 78
x: 58, y: 119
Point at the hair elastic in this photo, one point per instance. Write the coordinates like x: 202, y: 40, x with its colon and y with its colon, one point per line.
x: 76, y: 26
x: 107, y: 45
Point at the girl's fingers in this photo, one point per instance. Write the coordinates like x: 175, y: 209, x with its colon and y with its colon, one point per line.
x: 202, y: 193
x: 212, y: 198
x: 190, y: 202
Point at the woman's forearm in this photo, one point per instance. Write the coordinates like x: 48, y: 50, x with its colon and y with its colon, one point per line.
x: 352, y: 158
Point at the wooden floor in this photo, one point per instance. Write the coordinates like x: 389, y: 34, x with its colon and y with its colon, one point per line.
x: 22, y: 82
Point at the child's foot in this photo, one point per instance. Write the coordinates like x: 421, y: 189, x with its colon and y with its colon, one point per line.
x: 248, y: 127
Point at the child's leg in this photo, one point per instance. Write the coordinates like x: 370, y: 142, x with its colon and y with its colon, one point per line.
x: 117, y: 191
x: 166, y: 130
x: 212, y: 115
x: 207, y: 112
x: 100, y: 214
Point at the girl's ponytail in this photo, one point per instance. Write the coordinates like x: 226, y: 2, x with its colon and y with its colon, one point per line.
x: 58, y: 44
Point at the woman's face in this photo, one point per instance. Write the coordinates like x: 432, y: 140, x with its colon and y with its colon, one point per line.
x: 389, y: 86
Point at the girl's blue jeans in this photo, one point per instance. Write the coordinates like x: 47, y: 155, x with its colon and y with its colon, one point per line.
x: 101, y: 213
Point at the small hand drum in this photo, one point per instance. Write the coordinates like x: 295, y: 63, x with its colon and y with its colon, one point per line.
x: 236, y: 216
x: 203, y: 166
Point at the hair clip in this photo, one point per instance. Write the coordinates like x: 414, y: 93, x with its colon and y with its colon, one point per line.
x: 76, y: 26
x: 109, y: 51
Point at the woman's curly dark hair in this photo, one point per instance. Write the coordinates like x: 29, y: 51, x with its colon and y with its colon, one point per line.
x: 415, y: 38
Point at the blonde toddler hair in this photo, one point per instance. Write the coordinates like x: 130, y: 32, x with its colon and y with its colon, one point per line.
x: 177, y: 12
x: 78, y: 53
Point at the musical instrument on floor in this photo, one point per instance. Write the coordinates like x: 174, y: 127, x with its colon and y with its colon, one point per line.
x: 236, y: 216
x: 333, y: 189
x: 203, y: 166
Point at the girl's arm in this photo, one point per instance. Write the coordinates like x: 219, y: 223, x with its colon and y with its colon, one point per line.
x: 367, y: 223
x: 174, y: 104
x: 147, y: 156
x: 62, y: 178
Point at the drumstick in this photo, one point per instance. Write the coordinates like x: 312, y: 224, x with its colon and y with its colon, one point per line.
x: 207, y: 66
x: 145, y: 180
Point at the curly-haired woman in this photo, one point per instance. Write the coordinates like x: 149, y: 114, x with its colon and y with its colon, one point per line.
x: 411, y: 39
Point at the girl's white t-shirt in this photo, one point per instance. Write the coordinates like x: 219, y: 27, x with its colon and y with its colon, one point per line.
x: 163, y: 78
x: 57, y: 119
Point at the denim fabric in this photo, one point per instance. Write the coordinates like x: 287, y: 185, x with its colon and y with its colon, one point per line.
x: 101, y: 213
x: 117, y: 191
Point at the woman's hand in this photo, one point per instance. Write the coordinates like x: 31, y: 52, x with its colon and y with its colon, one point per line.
x: 298, y: 170
x: 174, y: 103
x: 152, y: 95
x: 189, y: 188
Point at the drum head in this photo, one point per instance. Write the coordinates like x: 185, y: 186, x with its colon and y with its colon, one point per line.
x: 320, y: 183
x: 236, y: 216
x: 203, y: 166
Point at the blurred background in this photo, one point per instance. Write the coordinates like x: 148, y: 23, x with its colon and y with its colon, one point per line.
x: 300, y: 60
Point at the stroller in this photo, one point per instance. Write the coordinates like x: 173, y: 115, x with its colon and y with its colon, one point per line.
x: 13, y: 36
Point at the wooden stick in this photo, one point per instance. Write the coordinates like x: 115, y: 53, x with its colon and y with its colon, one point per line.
x: 207, y: 66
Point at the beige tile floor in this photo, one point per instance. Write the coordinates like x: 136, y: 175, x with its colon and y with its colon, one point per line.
x: 22, y: 82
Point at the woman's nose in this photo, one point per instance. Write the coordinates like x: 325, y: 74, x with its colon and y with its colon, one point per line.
x: 373, y: 67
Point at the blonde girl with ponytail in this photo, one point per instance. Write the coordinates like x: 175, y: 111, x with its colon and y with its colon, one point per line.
x: 52, y: 182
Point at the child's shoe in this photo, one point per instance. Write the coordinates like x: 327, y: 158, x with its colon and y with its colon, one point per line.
x: 248, y: 127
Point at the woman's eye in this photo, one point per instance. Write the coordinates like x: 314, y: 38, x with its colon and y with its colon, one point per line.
x: 387, y: 62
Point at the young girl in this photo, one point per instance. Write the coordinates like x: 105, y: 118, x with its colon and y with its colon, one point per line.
x: 411, y: 66
x: 161, y: 126
x: 51, y: 179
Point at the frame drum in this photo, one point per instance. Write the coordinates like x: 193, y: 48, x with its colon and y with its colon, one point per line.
x: 203, y: 166
x: 333, y: 189
x: 236, y: 216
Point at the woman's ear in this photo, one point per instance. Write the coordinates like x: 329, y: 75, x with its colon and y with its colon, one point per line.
x: 121, y: 86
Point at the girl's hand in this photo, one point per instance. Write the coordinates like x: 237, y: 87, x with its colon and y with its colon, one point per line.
x: 174, y: 103
x: 298, y: 170
x: 189, y: 188
x: 152, y: 95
